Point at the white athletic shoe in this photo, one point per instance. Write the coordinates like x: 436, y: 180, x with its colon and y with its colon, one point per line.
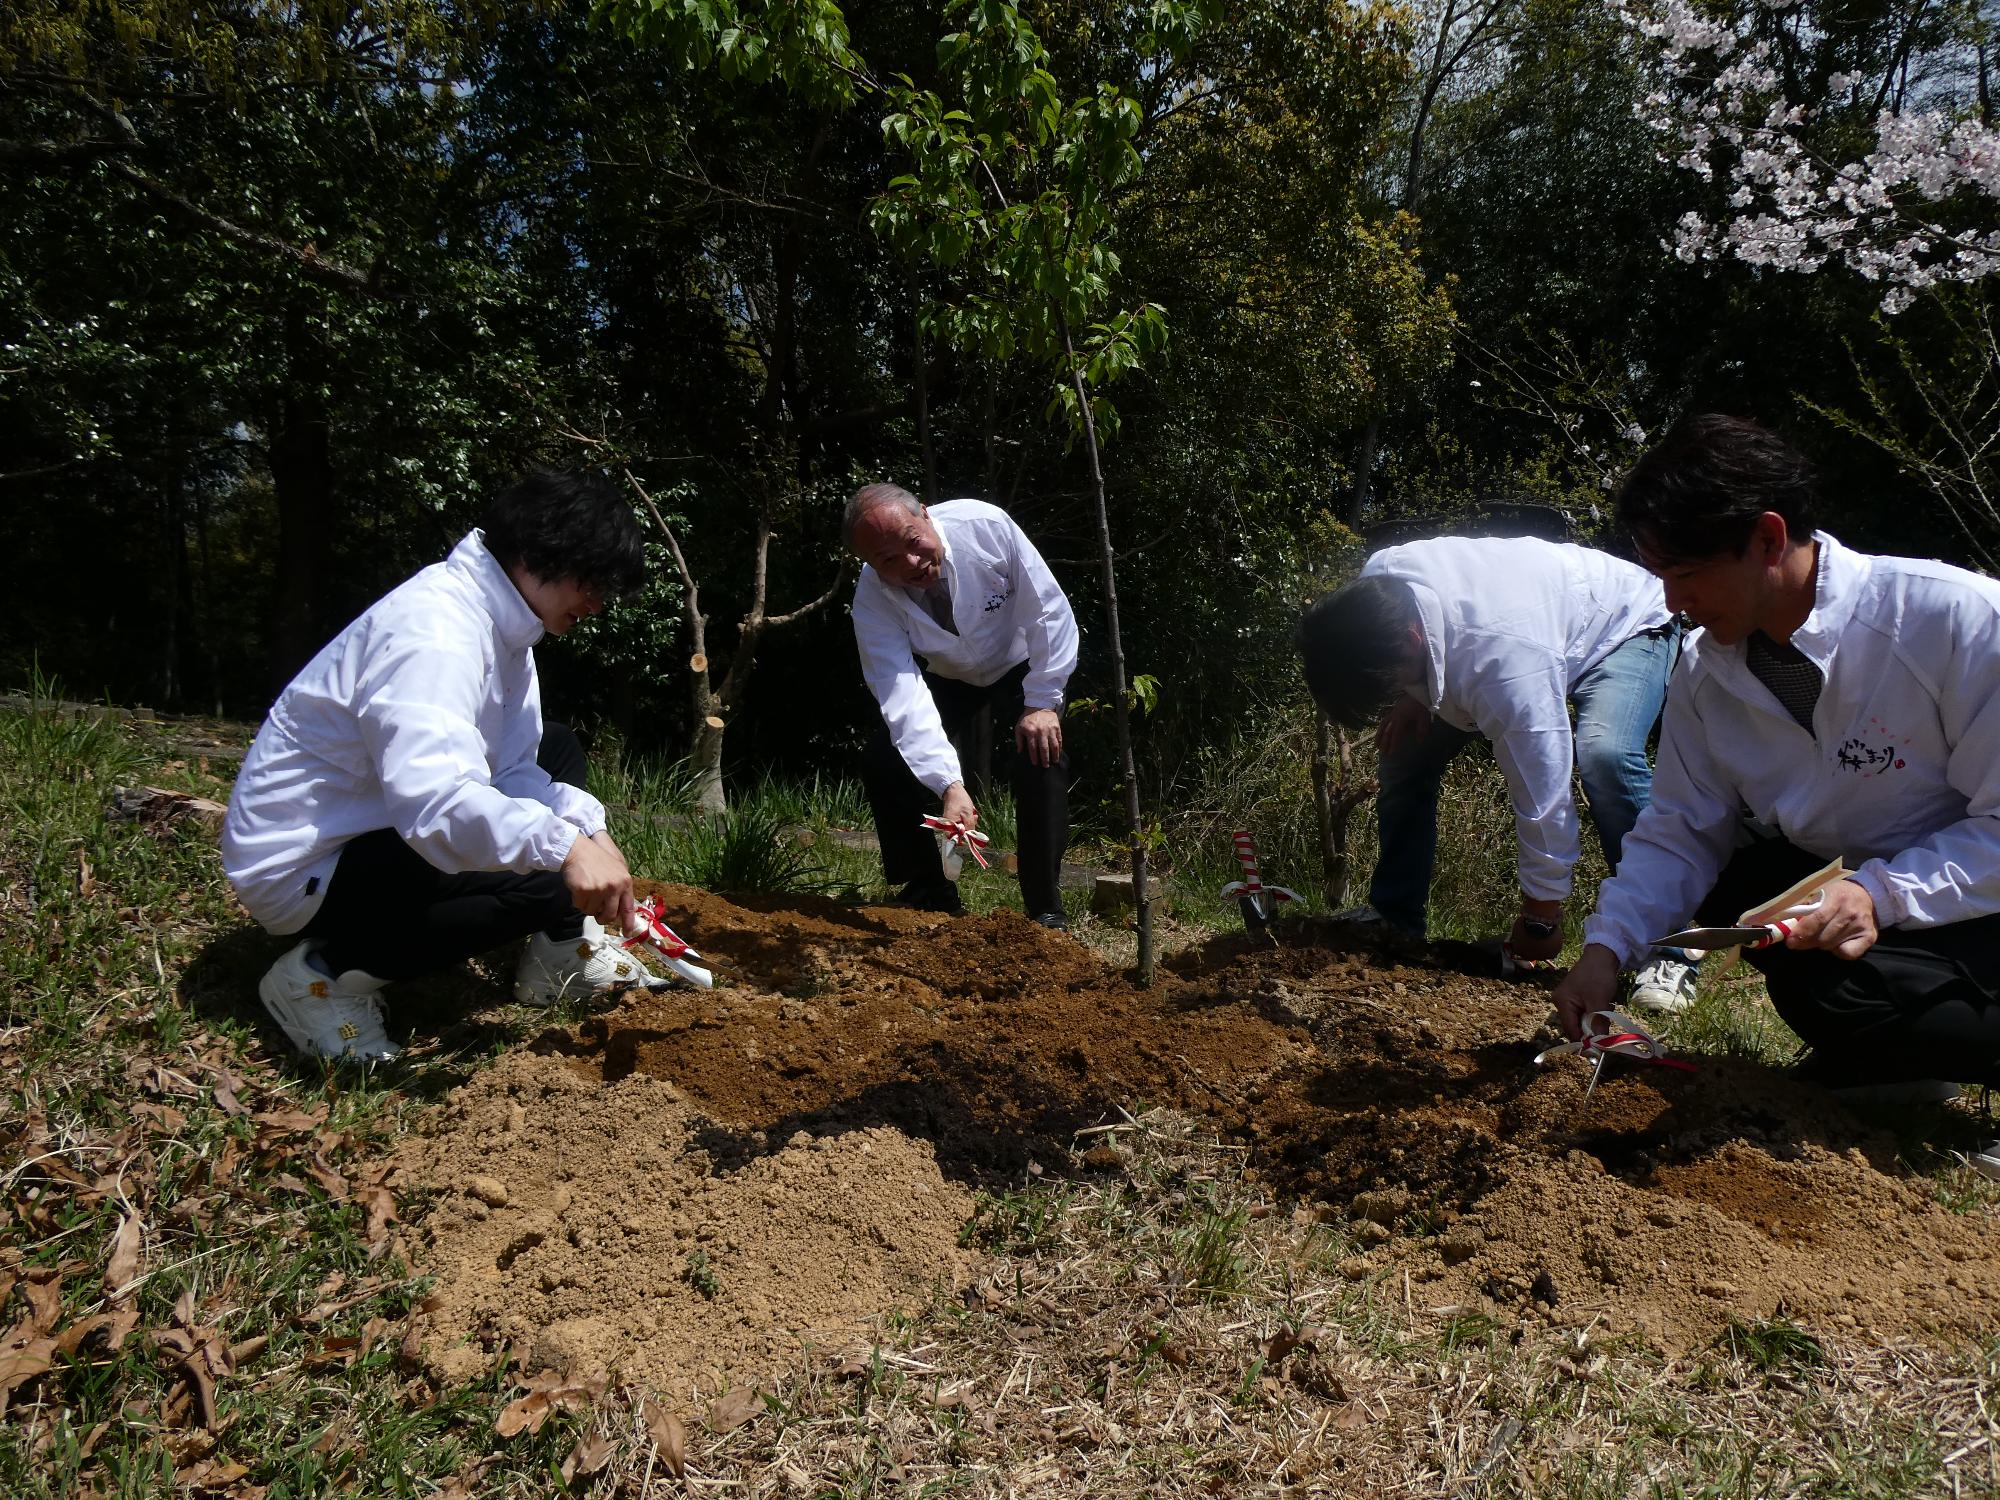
x: 327, y: 1017
x: 1361, y: 916
x: 1663, y: 985
x: 1986, y: 1160
x: 551, y: 968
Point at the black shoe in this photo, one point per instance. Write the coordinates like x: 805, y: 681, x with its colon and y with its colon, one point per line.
x: 1055, y: 921
x: 932, y: 895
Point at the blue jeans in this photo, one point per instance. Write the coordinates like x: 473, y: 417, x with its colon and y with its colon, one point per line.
x: 1617, y: 703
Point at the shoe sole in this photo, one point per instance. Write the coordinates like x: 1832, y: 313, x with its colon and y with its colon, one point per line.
x: 1660, y: 1006
x: 283, y: 1011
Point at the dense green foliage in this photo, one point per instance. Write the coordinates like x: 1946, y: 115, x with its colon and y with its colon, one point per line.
x: 283, y: 292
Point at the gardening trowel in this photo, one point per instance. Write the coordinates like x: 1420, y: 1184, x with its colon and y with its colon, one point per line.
x: 648, y: 931
x: 1257, y: 901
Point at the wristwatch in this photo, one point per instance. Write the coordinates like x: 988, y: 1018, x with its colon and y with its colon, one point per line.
x: 1535, y: 927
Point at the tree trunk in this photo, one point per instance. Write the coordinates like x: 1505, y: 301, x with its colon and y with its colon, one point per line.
x: 1334, y: 801
x: 1121, y: 710
x: 1364, y: 465
x: 921, y: 377
x: 302, y: 483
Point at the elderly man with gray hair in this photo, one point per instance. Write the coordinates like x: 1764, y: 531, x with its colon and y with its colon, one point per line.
x: 956, y: 611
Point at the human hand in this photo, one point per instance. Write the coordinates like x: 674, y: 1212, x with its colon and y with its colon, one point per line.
x: 1536, y: 947
x: 1591, y: 985
x: 1038, y: 735
x: 958, y: 806
x: 629, y: 906
x: 600, y: 884
x: 1844, y: 921
x: 1403, y: 726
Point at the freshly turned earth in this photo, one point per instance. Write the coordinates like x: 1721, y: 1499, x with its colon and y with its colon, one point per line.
x: 813, y: 1127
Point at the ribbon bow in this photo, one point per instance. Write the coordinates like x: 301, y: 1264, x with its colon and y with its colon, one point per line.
x: 1612, y: 1033
x: 971, y: 840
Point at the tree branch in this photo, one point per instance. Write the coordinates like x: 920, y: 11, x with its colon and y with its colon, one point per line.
x: 304, y: 258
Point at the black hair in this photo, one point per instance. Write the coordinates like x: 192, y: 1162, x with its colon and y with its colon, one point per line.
x: 573, y: 524
x: 1355, y: 645
x: 1698, y: 494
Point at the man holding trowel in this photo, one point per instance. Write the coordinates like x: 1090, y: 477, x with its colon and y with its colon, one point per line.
x: 1850, y: 704
x: 404, y: 806
x: 1453, y: 639
x: 956, y: 611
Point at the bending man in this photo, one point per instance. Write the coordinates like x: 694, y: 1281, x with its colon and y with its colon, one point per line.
x: 1851, y: 705
x: 404, y: 807
x: 956, y: 611
x: 1456, y: 638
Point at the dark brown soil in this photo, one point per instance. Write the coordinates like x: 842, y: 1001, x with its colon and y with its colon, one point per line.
x: 1372, y: 1084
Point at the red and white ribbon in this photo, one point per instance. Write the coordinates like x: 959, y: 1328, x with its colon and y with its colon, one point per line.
x: 971, y: 840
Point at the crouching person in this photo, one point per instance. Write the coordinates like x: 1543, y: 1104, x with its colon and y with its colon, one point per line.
x: 404, y: 806
x: 1848, y: 704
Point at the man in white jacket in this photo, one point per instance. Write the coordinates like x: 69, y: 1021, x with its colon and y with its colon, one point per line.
x: 956, y: 611
x: 1457, y: 638
x: 404, y: 806
x: 1849, y: 706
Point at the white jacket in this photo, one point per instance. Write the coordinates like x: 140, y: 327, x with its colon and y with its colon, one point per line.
x: 1511, y: 624
x: 423, y: 716
x: 1008, y: 609
x: 1900, y: 776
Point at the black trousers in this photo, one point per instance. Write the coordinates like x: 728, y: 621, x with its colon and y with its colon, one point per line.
x: 390, y: 912
x: 1041, y: 794
x: 1924, y: 1002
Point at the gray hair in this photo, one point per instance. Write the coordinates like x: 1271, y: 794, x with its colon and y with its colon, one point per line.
x: 868, y: 498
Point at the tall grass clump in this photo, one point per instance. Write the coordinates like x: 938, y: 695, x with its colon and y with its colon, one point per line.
x: 751, y: 848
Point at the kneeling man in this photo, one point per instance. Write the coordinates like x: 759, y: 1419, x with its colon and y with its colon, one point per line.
x: 404, y: 807
x: 956, y: 611
x: 1849, y: 705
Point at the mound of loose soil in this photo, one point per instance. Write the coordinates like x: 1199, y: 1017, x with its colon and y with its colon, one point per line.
x: 588, y: 1225
x: 859, y: 1064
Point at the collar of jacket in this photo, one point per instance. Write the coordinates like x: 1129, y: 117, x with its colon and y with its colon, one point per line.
x: 1839, y: 576
x: 1430, y: 615
x: 517, y: 625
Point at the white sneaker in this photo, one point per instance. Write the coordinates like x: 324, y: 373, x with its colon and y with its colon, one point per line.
x: 1361, y: 916
x: 327, y: 1017
x: 553, y: 968
x: 1663, y: 985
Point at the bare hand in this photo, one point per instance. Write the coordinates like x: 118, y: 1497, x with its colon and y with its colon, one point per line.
x: 1039, y: 736
x: 958, y: 806
x: 600, y: 884
x: 1523, y: 944
x: 1402, y: 727
x: 1844, y: 921
x: 1591, y: 985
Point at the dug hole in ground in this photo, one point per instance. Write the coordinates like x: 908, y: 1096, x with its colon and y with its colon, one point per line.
x: 683, y: 1190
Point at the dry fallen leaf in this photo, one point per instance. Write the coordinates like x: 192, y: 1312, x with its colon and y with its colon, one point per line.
x: 124, y: 1263
x: 379, y: 1204
x: 524, y: 1414
x: 734, y: 1409
x: 588, y: 1456
x: 669, y: 1436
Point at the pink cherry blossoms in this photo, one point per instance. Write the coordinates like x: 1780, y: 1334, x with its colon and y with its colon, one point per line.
x: 1724, y: 112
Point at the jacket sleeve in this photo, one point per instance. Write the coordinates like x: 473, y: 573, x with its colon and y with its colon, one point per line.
x: 1955, y: 873
x: 419, y: 700
x: 890, y: 669
x: 1051, y: 632
x: 1527, y: 719
x: 520, y: 773
x: 1675, y: 852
